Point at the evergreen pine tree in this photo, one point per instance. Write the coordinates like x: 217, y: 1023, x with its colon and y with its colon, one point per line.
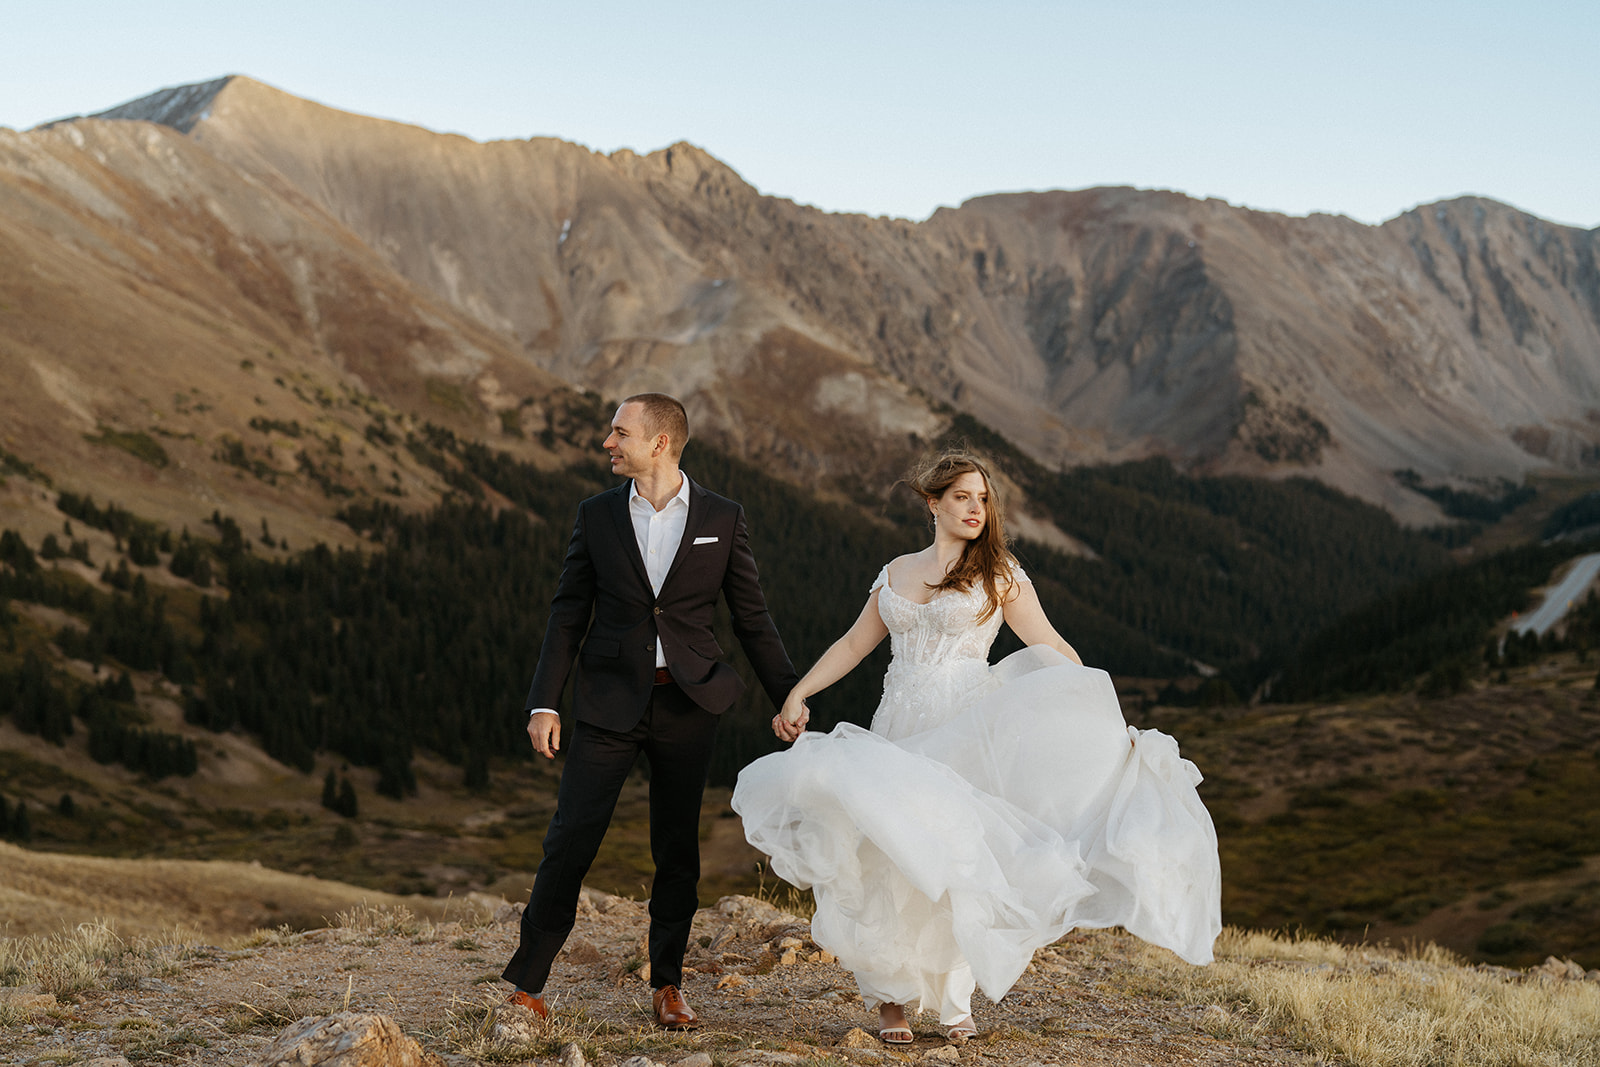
x: 347, y: 799
x: 15, y: 551
x: 393, y: 775
x: 105, y: 737
x: 5, y: 817
x: 330, y: 791
x: 21, y: 824
x: 66, y: 806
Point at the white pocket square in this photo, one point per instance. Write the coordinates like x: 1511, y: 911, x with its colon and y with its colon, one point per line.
x: 705, y: 540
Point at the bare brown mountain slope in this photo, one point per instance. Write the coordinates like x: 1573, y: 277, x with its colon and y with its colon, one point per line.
x: 1461, y: 339
x: 175, y: 335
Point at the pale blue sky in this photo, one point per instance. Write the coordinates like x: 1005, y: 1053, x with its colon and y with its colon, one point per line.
x: 1362, y: 108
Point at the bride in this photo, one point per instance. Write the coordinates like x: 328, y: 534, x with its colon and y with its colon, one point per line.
x: 989, y: 810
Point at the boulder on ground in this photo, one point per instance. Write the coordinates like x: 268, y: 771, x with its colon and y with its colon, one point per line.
x: 857, y: 1038
x: 347, y: 1039
x: 1563, y: 970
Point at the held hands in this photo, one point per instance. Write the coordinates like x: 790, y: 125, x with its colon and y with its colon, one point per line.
x: 544, y: 729
x: 790, y: 723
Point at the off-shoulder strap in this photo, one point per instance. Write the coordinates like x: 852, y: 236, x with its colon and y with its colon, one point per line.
x: 881, y: 581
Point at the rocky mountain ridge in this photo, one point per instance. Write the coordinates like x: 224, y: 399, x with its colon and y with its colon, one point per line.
x: 1458, y: 340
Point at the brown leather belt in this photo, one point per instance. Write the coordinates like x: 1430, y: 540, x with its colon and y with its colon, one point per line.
x: 663, y: 676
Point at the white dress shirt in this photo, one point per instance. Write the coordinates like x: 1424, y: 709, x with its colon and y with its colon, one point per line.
x: 658, y: 534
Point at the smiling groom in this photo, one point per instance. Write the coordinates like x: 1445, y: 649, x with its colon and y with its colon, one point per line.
x: 646, y: 563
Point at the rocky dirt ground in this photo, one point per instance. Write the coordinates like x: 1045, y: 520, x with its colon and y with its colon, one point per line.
x: 766, y: 993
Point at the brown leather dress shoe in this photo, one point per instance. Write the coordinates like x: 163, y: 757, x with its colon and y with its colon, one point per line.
x: 529, y: 1001
x: 671, y: 1011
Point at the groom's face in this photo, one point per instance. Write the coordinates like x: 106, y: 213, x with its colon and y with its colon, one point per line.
x: 630, y: 444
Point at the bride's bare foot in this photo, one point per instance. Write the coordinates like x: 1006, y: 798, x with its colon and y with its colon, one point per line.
x: 962, y: 1029
x: 892, y: 1026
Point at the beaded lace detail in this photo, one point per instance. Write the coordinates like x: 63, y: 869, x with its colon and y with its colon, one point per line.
x: 939, y: 656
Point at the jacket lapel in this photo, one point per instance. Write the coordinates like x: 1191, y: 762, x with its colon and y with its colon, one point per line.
x: 697, y: 517
x: 630, y: 541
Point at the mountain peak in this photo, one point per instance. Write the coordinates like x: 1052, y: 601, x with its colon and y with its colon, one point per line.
x: 178, y: 106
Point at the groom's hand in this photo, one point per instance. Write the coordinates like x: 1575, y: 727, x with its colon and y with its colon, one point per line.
x: 544, y: 729
x: 788, y: 731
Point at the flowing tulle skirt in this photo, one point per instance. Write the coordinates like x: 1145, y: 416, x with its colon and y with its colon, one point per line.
x: 947, y: 857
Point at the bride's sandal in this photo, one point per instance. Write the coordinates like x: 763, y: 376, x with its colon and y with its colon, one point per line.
x: 961, y: 1031
x: 893, y: 1033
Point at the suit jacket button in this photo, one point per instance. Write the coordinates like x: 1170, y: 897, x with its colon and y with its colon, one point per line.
x: 658, y: 611
x: 649, y: 648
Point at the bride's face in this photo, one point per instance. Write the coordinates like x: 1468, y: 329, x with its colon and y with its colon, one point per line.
x: 963, y: 510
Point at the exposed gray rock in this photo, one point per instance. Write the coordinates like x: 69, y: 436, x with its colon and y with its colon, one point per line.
x: 1561, y: 970
x: 348, y: 1039
x: 514, y: 1025
x: 757, y: 1057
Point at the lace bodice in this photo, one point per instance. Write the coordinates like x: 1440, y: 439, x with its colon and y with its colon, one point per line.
x: 944, y: 628
x: 939, y: 656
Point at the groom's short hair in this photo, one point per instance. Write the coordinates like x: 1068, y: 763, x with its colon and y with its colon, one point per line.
x: 664, y: 414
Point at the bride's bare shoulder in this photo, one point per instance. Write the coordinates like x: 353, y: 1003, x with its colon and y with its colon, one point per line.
x: 900, y: 566
x: 1009, y: 580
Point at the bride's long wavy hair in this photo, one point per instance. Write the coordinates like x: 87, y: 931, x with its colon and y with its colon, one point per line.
x: 986, y: 556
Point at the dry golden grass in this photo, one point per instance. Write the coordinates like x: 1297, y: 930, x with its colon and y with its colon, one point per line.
x: 77, y: 958
x: 1378, y: 1007
x: 367, y: 923
x: 41, y: 892
x: 785, y: 897
x: 1356, y: 1006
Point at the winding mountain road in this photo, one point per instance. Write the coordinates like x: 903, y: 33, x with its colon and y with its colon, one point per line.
x: 1561, y: 596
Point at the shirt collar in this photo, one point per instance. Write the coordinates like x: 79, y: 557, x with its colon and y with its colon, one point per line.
x: 682, y: 493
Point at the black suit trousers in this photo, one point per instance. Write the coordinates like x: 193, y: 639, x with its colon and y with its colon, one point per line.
x: 676, y: 737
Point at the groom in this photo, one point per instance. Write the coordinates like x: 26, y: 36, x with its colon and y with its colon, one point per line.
x: 646, y: 562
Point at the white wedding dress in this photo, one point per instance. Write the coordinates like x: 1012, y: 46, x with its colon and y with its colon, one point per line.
x: 987, y: 812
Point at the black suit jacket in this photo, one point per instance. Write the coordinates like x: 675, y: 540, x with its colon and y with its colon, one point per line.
x: 606, y: 621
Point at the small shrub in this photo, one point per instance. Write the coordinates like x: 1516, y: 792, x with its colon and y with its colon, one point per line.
x: 368, y: 920
x: 1509, y: 938
x: 140, y: 446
